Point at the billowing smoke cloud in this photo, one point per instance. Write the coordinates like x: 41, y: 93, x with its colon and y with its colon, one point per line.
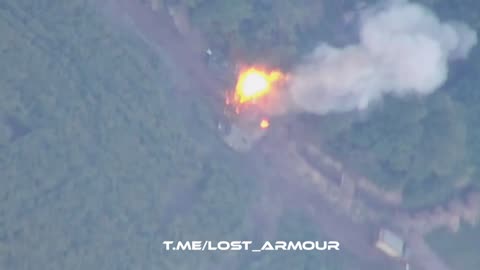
x: 403, y: 49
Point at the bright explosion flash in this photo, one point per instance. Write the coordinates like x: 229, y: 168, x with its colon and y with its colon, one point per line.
x: 253, y: 90
x: 255, y: 83
x: 264, y: 124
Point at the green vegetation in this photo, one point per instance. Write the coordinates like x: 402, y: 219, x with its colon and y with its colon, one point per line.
x: 101, y: 160
x: 276, y: 32
x: 418, y: 146
x: 459, y: 250
x: 424, y: 147
x: 429, y: 147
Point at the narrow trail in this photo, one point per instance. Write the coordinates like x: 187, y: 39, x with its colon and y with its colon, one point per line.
x: 301, y: 194
x: 158, y: 29
x: 280, y: 181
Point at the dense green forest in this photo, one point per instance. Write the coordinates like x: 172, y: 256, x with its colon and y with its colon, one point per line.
x: 425, y: 147
x: 276, y: 32
x: 429, y: 148
x: 101, y: 160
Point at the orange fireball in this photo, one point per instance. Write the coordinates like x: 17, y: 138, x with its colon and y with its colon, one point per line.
x: 264, y: 124
x: 254, y: 83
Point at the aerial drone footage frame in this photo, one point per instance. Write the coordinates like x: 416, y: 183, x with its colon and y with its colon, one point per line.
x: 213, y: 125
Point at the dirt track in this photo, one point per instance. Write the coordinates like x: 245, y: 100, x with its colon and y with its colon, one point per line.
x: 300, y: 194
x: 188, y: 58
x: 157, y: 28
x: 186, y: 52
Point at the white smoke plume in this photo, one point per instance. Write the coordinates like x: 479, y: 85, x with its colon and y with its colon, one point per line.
x: 403, y: 49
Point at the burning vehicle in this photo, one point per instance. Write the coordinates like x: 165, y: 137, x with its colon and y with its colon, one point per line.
x: 248, y: 106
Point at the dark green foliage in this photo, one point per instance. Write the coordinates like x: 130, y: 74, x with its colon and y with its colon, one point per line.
x: 425, y: 147
x: 222, y: 17
x: 418, y: 146
x: 459, y: 250
x: 274, y: 32
x: 466, y: 92
x: 100, y: 159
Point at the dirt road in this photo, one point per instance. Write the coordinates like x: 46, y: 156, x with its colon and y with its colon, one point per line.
x: 301, y: 194
x: 159, y: 30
